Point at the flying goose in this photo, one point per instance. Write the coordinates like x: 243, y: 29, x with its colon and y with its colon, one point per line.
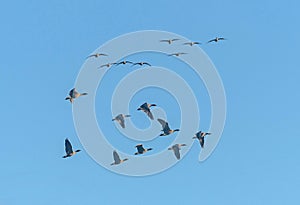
x: 200, y: 136
x: 165, y: 128
x: 176, y: 149
x: 117, y: 159
x: 141, y: 149
x: 107, y: 65
x: 192, y: 43
x: 146, y: 108
x: 169, y: 41
x: 124, y: 62
x: 141, y: 64
x: 176, y: 54
x: 216, y: 39
x: 74, y: 94
x: 69, y: 150
x: 121, y: 119
x: 96, y: 55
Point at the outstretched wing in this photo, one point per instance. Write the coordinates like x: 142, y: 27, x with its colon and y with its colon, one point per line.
x: 165, y: 125
x: 201, y: 140
x: 68, y: 147
x: 176, y: 151
x: 149, y: 113
x: 116, y: 157
x: 121, y: 120
x: 162, y: 122
x: 72, y: 92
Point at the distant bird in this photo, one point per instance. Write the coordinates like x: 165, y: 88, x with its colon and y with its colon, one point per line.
x: 69, y: 150
x: 176, y: 149
x: 121, y: 119
x: 200, y: 136
x: 107, y: 65
x: 146, y: 108
x: 177, y: 54
x: 141, y: 149
x: 74, y: 94
x: 141, y: 64
x: 192, y: 43
x: 169, y: 41
x: 117, y: 159
x: 124, y: 62
x: 96, y: 55
x: 216, y: 39
x: 165, y: 128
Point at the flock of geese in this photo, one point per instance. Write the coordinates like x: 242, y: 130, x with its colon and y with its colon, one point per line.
x: 166, y: 130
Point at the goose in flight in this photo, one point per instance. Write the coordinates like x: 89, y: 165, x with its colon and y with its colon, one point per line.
x: 141, y: 149
x: 192, y: 43
x: 107, y: 65
x: 216, y: 39
x: 121, y: 119
x: 146, y: 108
x: 141, y: 64
x: 124, y: 62
x: 69, y: 150
x: 176, y: 149
x: 117, y: 159
x: 74, y: 94
x: 169, y: 41
x: 96, y: 55
x: 165, y: 128
x: 200, y: 136
x: 177, y: 54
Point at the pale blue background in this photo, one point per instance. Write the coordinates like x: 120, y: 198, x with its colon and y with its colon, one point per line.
x: 43, y: 45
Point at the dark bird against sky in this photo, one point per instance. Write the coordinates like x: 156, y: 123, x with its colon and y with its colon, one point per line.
x: 69, y: 150
x: 121, y: 119
x: 74, y: 94
x: 117, y: 159
x: 141, y: 149
x: 165, y: 128
x: 146, y: 108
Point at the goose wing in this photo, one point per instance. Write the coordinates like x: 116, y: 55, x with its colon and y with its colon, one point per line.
x: 72, y: 92
x: 176, y: 151
x: 116, y: 157
x: 68, y: 147
x: 201, y: 140
x: 164, y: 124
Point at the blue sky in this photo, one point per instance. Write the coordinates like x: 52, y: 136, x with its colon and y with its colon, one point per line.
x: 43, y: 46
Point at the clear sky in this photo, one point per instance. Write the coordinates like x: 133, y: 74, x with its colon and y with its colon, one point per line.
x: 43, y: 46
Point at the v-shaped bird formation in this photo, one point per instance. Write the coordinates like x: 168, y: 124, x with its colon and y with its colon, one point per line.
x: 145, y: 107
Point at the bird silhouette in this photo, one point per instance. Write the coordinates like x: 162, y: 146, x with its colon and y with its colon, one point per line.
x: 192, y: 43
x: 165, y: 128
x: 74, y: 94
x: 141, y: 149
x: 169, y: 41
x: 121, y: 119
x: 96, y: 55
x: 69, y: 150
x: 117, y: 159
x: 216, y: 39
x: 176, y: 149
x: 200, y: 136
x: 146, y: 108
